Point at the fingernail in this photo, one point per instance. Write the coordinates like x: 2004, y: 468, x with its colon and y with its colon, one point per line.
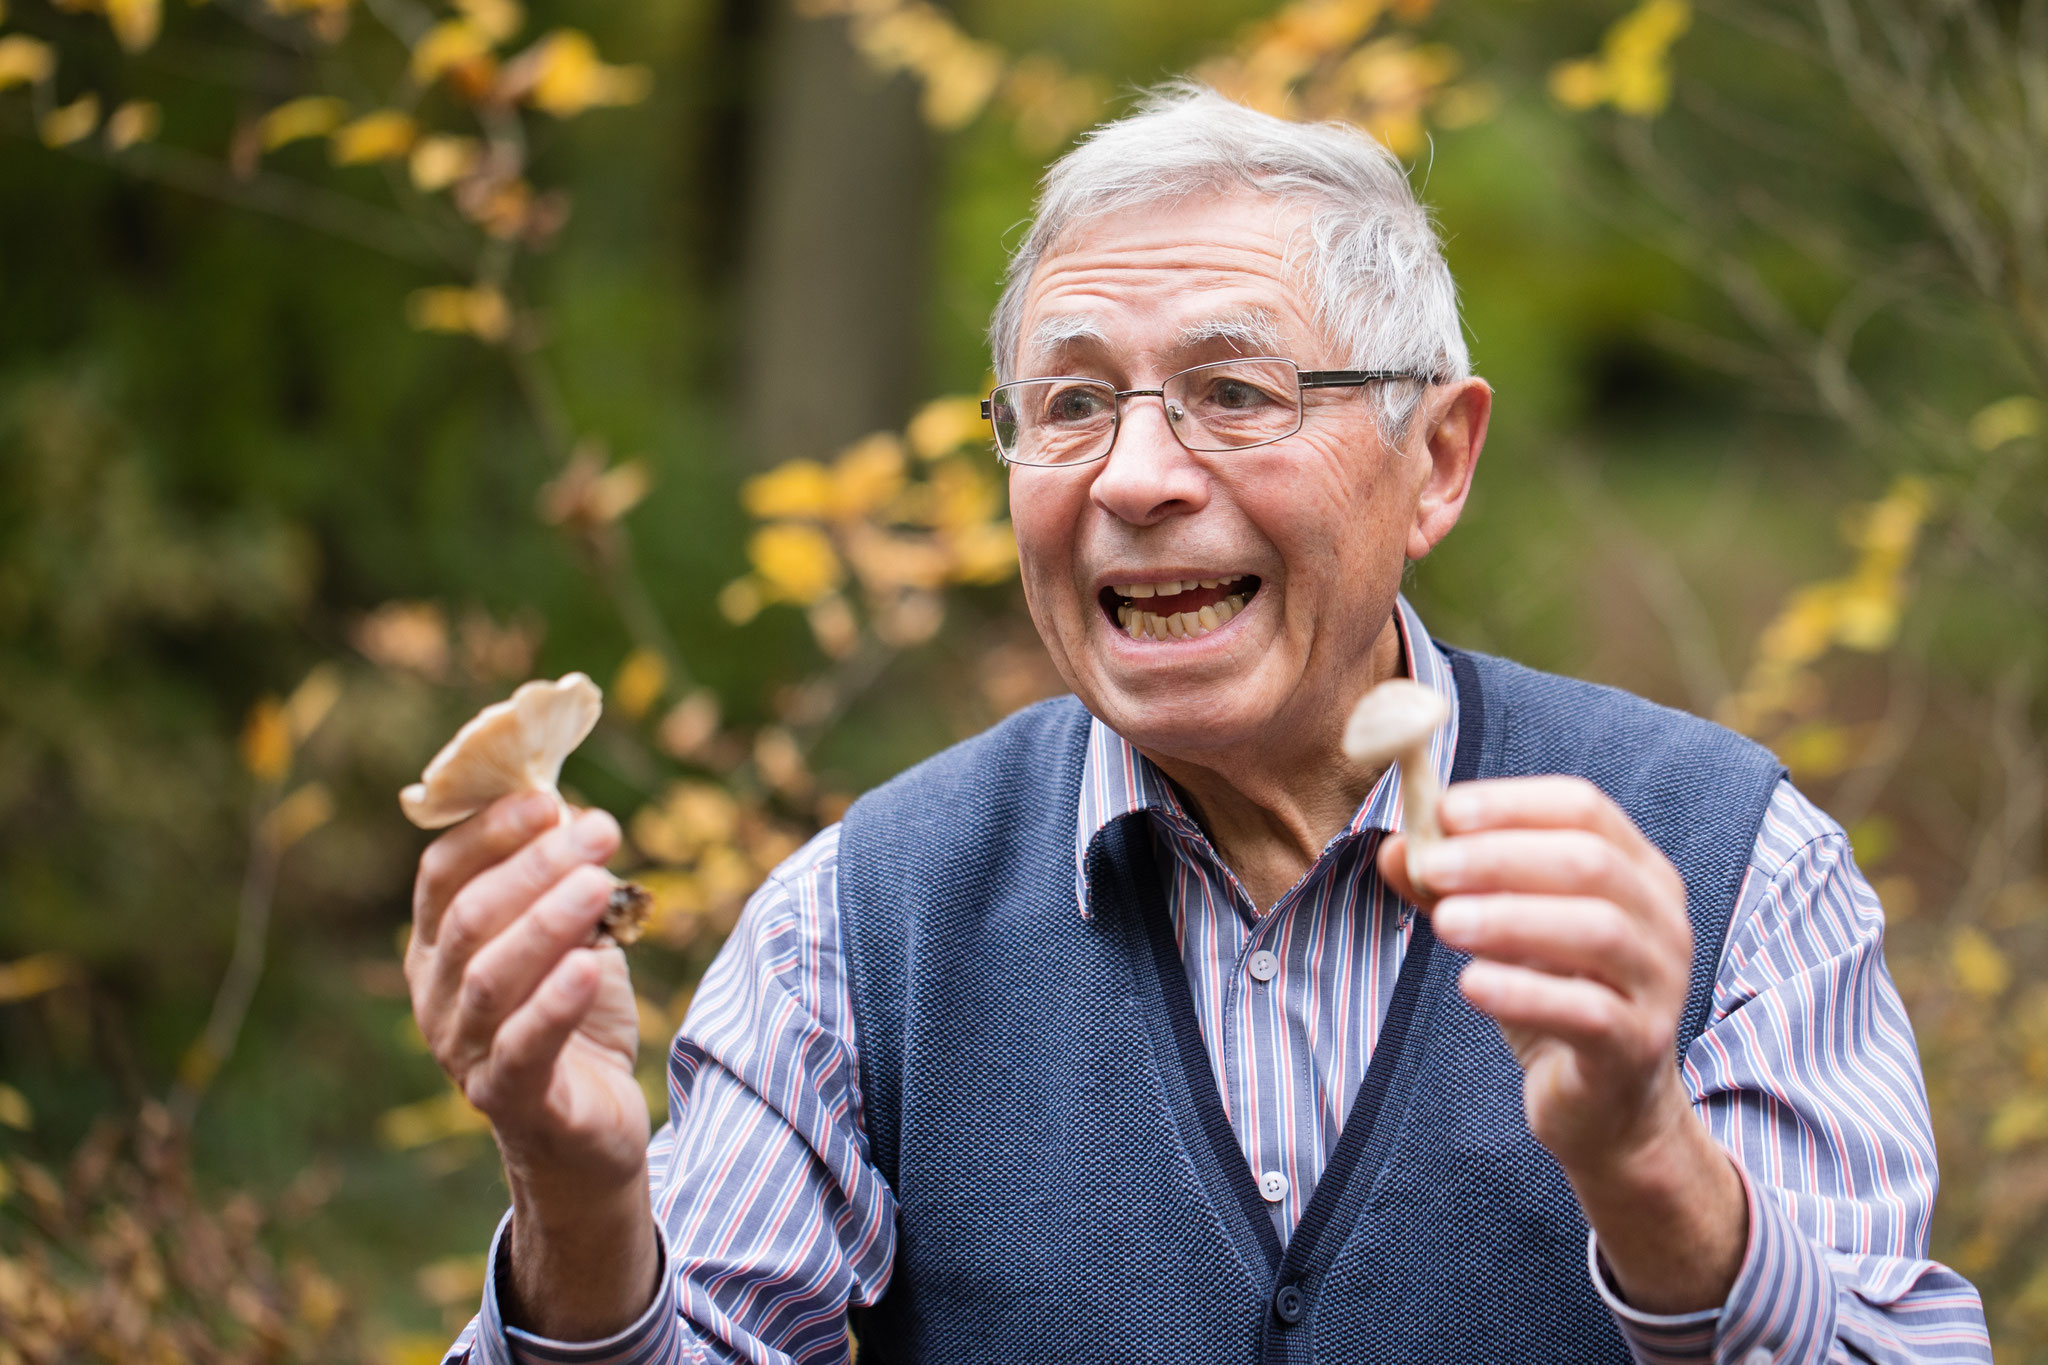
x: 594, y: 832
x: 1456, y: 805
x: 534, y: 810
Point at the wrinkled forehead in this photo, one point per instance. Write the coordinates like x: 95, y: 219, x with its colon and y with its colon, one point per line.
x: 1217, y: 274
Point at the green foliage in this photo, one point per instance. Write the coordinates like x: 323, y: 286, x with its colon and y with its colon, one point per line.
x: 301, y: 462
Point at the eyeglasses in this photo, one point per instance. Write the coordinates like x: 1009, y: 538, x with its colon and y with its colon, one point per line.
x: 1226, y: 405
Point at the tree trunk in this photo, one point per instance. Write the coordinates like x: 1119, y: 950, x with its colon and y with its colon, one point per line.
x: 836, y: 253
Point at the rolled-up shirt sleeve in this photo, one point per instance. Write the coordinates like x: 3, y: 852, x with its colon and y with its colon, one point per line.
x: 1808, y: 1075
x: 773, y: 1221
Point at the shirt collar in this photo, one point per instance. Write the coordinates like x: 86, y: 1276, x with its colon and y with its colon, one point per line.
x: 1117, y: 780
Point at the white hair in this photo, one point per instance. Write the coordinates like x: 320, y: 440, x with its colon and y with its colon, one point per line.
x: 1383, y: 294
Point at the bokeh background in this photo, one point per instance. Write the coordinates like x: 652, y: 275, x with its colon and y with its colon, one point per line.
x: 362, y: 358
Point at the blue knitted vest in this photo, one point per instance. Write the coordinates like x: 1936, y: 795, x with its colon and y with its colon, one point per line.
x: 1036, y: 1092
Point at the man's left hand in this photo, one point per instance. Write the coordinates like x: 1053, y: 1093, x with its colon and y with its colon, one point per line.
x: 1581, y: 950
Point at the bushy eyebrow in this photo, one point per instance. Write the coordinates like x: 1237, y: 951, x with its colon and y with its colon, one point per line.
x: 1254, y: 331
x: 1057, y: 332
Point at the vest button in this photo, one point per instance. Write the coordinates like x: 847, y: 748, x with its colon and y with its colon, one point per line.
x: 1272, y: 1187
x: 1288, y: 1304
x: 1264, y: 966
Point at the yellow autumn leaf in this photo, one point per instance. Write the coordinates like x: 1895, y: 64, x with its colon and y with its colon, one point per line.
x: 963, y: 493
x: 781, y: 764
x: 958, y: 87
x: 381, y: 135
x: 135, y: 121
x: 497, y: 20
x: 14, y: 1108
x: 447, y: 45
x: 833, y: 626
x: 1633, y: 69
x: 481, y: 312
x: 689, y: 724
x: 135, y: 22
x: 451, y: 1280
x: 985, y: 552
x: 37, y: 974
x: 2020, y: 1120
x: 796, y: 562
x: 798, y: 489
x: 69, y: 123
x: 267, y: 740
x: 678, y: 898
x: 2009, y: 419
x: 440, y: 159
x: 867, y: 476
x: 1979, y: 965
x: 312, y: 700
x: 415, y: 1125
x: 295, y: 120
x: 319, y: 1300
x: 943, y: 425
x: 639, y: 683
x: 25, y: 60
x: 563, y: 75
x: 740, y: 600
x: 298, y: 815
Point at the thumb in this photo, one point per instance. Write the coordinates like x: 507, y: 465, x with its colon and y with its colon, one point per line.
x: 1393, y: 863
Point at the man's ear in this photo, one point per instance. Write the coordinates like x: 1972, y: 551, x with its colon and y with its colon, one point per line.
x: 1449, y: 431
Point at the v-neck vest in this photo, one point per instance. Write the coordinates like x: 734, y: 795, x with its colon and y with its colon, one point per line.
x: 1035, y: 1089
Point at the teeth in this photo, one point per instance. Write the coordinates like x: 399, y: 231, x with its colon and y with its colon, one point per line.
x: 1172, y: 586
x: 1208, y: 617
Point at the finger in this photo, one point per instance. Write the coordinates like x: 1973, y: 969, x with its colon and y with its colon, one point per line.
x: 1545, y: 802
x: 1562, y: 862
x: 1393, y: 863
x: 513, y: 1078
x: 498, y: 895
x: 1585, y: 1015
x: 479, y: 842
x: 1561, y: 935
x: 505, y: 971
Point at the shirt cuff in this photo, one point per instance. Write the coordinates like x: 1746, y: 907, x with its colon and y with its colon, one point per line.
x: 1653, y: 1338
x: 497, y: 1344
x: 1781, y: 1307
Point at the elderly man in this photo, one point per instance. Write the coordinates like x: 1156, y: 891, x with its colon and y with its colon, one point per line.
x: 1115, y: 1033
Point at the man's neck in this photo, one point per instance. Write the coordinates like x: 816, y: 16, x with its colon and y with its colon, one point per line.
x: 1271, y: 808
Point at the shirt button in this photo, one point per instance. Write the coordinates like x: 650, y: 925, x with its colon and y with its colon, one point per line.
x: 1273, y: 1187
x: 1757, y: 1357
x: 1264, y: 966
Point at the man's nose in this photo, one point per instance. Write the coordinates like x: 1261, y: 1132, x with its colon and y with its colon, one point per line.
x: 1149, y: 474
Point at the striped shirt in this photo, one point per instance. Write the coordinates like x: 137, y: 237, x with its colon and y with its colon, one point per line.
x: 773, y: 1222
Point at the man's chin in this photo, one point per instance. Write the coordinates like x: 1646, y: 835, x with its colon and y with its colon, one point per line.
x: 1182, y: 721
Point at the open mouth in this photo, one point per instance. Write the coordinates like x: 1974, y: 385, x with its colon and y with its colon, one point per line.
x: 1177, y: 609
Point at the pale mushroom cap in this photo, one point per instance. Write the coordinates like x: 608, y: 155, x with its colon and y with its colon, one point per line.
x: 514, y: 745
x: 1394, y: 717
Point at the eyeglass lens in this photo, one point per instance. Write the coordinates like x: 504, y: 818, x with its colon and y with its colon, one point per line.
x: 1224, y: 406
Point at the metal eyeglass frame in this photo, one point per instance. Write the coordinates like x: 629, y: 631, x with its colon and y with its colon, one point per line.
x: 1304, y: 379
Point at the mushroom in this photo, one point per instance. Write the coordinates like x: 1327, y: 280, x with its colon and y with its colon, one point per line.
x: 1392, y: 724
x: 518, y: 745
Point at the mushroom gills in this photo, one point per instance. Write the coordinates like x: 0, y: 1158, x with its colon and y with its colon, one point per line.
x: 625, y: 915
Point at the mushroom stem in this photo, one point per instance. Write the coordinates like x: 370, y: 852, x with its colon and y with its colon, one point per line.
x: 1392, y: 724
x: 1419, y: 795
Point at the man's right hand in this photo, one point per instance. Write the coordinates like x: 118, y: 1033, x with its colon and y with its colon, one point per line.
x: 539, y: 1032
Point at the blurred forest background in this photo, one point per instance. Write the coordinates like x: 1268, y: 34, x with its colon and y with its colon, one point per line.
x: 361, y: 358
